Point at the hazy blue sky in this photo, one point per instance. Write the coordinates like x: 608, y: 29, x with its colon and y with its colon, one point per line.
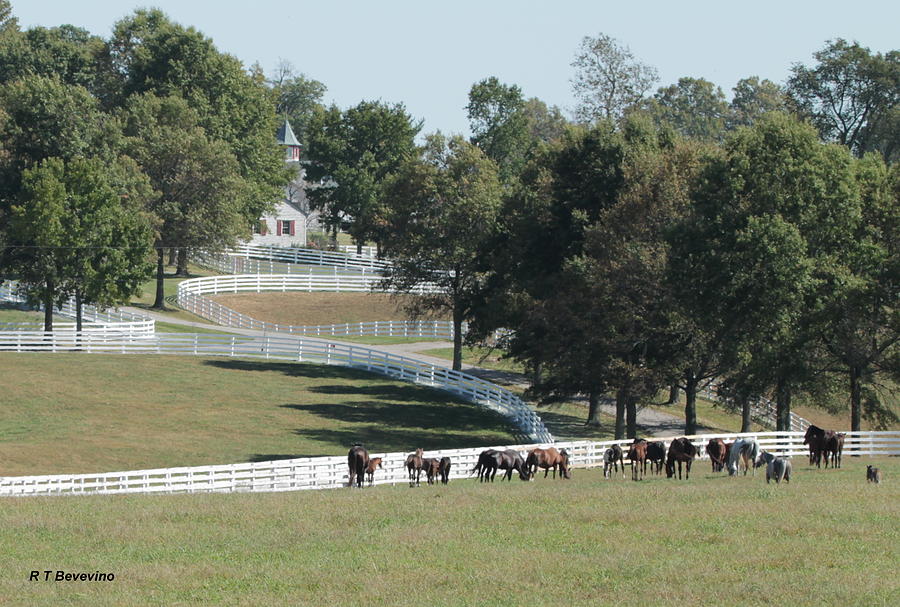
x: 428, y: 54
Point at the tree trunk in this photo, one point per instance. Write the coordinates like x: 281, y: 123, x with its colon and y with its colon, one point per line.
x: 182, y: 263
x: 782, y: 406
x: 631, y: 416
x: 745, y: 415
x: 673, y: 394
x: 48, y: 306
x: 593, y: 419
x: 173, y: 256
x: 855, y: 398
x: 536, y: 373
x: 690, y: 402
x: 160, y: 302
x: 359, y: 246
x: 621, y: 396
x: 457, y: 339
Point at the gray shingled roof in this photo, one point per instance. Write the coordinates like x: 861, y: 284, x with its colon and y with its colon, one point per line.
x: 286, y: 134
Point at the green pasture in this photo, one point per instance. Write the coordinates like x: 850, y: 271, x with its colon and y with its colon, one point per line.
x: 74, y: 413
x: 827, y: 538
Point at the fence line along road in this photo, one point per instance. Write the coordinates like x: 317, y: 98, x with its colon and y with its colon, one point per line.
x: 331, y: 472
x: 465, y: 386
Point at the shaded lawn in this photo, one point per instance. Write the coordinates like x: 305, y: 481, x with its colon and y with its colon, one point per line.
x: 79, y: 413
x: 586, y: 541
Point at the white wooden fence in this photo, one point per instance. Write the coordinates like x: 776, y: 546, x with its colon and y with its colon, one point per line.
x: 309, y: 257
x: 331, y: 472
x: 463, y: 385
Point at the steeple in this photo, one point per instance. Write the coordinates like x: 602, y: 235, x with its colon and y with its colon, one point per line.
x: 287, y: 138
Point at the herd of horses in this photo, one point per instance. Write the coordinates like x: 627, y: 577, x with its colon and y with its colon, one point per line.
x: 743, y: 454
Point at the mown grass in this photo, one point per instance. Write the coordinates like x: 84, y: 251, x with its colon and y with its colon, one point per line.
x: 486, y: 358
x: 78, y: 413
x: 710, y: 415
x: 147, y: 295
x: 827, y: 538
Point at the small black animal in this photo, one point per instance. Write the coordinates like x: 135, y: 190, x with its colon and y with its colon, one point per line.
x: 873, y: 475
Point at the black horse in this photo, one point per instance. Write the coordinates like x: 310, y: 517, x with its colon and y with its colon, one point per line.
x: 357, y: 462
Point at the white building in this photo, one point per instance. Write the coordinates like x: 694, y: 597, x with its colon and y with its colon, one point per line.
x: 292, y: 218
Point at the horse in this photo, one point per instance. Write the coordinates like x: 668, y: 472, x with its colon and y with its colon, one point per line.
x: 374, y: 463
x: 835, y: 446
x: 612, y: 459
x: 357, y: 461
x: 445, y: 470
x: 637, y: 454
x: 547, y: 459
x: 873, y: 475
x: 488, y: 462
x: 820, y: 441
x: 776, y: 467
x: 414, y: 463
x: 432, y: 468
x: 743, y: 451
x: 511, y: 460
x: 681, y: 450
x: 716, y: 450
x: 656, y: 455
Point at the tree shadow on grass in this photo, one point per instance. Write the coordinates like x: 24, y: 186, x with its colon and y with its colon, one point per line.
x: 423, y: 416
x: 298, y: 369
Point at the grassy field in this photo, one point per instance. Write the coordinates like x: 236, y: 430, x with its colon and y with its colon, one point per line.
x: 480, y: 357
x: 827, y: 538
x: 71, y: 413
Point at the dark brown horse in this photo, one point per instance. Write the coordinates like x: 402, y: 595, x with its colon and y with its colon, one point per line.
x: 681, y: 450
x: 656, y: 456
x: 548, y: 459
x: 821, y: 442
x: 717, y: 450
x: 357, y: 461
x: 432, y: 468
x: 612, y: 459
x: 445, y: 470
x: 637, y: 453
x: 373, y: 464
x: 414, y: 463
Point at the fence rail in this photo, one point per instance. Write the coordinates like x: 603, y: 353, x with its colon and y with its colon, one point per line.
x: 331, y: 472
x: 309, y: 256
x: 463, y: 385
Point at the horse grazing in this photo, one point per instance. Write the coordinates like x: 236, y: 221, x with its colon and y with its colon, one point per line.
x: 743, y: 451
x: 512, y: 461
x: 681, y: 450
x: 414, y: 463
x: 357, y: 461
x: 444, y: 469
x: 374, y: 463
x: 776, y: 467
x: 547, y: 459
x: 488, y: 463
x: 716, y: 451
x: 656, y: 455
x: 637, y: 454
x: 820, y: 441
x: 432, y: 468
x: 612, y: 459
x: 873, y: 475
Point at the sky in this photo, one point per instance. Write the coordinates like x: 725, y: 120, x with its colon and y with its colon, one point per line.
x: 428, y: 54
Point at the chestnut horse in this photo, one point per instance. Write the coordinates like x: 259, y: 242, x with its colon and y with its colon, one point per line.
x: 414, y: 467
x: 716, y: 450
x: 547, y: 459
x: 637, y: 454
x: 681, y: 450
x: 374, y: 463
x: 357, y: 461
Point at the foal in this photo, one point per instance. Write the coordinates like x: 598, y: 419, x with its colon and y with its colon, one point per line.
x: 374, y: 463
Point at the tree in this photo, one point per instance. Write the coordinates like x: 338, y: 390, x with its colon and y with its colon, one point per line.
x: 545, y: 124
x: 754, y: 98
x: 447, y: 207
x: 499, y: 125
x: 608, y: 79
x: 8, y: 23
x: 67, y: 52
x: 352, y: 155
x: 197, y: 181
x: 694, y: 107
x: 297, y: 98
x: 76, y: 237
x: 849, y: 95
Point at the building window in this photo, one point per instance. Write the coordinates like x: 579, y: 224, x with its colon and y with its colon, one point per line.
x: 286, y: 227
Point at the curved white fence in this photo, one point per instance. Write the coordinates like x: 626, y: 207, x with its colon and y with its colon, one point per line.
x: 463, y: 385
x: 331, y: 472
x: 308, y: 257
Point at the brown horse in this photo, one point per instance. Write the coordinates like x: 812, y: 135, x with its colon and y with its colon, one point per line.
x: 432, y: 468
x: 835, y: 447
x: 681, y: 450
x: 821, y: 442
x: 656, y: 455
x: 716, y: 450
x: 373, y: 464
x: 638, y: 456
x: 414, y: 463
x: 445, y: 470
x: 547, y: 459
x: 357, y: 461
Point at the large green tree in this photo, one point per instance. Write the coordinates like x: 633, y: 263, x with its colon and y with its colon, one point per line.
x: 694, y: 107
x: 297, y: 98
x: 500, y: 125
x: 446, y: 208
x: 352, y: 155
